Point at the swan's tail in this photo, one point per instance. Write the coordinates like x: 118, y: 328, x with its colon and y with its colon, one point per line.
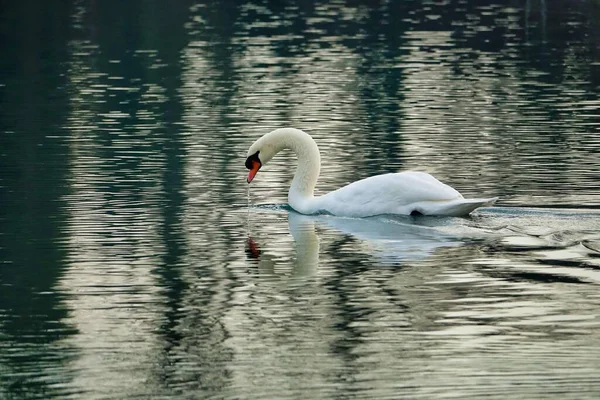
x: 453, y: 208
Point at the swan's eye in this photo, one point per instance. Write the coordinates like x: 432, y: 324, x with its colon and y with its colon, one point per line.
x: 252, y: 159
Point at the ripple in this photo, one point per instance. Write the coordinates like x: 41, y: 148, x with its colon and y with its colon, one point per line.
x: 136, y: 264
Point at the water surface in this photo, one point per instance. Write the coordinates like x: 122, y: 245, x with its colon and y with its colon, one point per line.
x: 132, y: 266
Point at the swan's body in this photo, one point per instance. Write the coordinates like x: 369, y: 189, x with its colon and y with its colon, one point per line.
x: 404, y: 193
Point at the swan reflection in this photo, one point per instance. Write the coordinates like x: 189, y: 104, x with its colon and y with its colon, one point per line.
x: 388, y: 240
x: 306, y: 243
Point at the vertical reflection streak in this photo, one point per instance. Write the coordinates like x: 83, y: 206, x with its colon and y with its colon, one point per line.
x: 116, y: 223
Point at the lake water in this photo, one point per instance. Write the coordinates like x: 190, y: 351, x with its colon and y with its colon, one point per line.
x: 136, y: 263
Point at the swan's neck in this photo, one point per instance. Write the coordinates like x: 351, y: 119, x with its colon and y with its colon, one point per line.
x: 309, y: 164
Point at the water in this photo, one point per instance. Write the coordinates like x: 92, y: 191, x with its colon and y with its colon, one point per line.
x: 132, y: 267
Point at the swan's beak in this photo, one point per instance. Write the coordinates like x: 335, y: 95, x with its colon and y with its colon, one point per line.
x: 253, y: 170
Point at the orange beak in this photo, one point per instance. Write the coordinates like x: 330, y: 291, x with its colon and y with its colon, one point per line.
x: 254, y: 170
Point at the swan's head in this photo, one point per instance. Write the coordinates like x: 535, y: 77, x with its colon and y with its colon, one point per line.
x: 260, y: 153
x: 253, y: 163
x: 266, y: 147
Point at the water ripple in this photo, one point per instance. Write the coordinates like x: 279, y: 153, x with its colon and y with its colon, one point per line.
x: 136, y: 263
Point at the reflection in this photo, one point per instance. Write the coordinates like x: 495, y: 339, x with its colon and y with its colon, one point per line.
x: 126, y: 197
x: 397, y: 240
x: 306, y: 243
x: 393, y: 240
x: 302, y: 228
x: 387, y: 239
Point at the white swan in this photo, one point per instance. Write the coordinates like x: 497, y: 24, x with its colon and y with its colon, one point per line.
x: 404, y: 193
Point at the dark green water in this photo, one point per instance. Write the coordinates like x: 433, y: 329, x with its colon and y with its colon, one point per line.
x: 132, y: 267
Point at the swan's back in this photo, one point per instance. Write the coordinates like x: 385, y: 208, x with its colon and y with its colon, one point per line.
x: 399, y: 193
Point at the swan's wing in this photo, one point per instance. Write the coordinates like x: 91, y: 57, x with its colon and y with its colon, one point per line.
x: 401, y: 193
x: 452, y: 208
x: 388, y: 193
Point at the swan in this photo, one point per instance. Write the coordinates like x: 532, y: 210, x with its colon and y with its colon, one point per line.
x: 404, y: 193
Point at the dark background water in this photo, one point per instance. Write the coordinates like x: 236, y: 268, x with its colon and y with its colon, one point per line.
x: 131, y: 266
